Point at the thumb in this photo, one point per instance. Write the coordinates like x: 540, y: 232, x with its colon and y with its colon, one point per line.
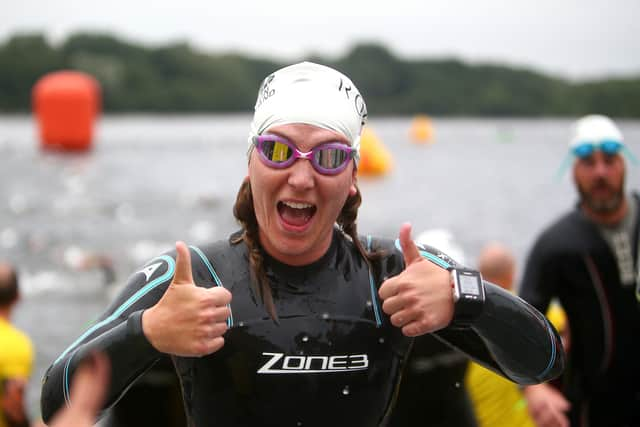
x: 182, y: 275
x: 409, y: 249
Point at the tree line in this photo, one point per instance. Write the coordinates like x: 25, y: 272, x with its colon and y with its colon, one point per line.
x: 178, y: 78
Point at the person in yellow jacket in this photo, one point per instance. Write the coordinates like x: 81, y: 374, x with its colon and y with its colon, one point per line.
x: 499, y: 402
x: 16, y: 355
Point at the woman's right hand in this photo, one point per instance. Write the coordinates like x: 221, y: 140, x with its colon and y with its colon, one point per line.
x: 188, y: 320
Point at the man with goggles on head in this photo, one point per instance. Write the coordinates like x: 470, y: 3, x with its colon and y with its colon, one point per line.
x: 589, y: 260
x: 322, y: 319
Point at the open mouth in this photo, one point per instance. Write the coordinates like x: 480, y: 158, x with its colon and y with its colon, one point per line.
x: 296, y: 214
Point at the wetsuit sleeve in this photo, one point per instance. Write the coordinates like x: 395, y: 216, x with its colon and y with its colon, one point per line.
x: 511, y: 338
x: 118, y: 333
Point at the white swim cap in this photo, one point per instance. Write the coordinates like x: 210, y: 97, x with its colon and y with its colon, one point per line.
x: 311, y: 94
x: 594, y: 129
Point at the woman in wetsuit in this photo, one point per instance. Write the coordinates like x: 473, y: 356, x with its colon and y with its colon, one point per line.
x: 321, y: 319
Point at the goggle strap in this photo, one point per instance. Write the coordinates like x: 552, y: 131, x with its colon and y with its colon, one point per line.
x: 629, y: 155
x: 564, y: 166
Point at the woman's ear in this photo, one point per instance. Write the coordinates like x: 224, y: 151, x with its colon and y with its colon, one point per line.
x: 354, y: 180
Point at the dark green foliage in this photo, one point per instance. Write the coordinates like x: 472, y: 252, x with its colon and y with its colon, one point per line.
x: 177, y: 78
x: 23, y: 60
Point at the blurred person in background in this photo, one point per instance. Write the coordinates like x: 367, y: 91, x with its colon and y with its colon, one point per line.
x: 88, y: 390
x: 322, y: 319
x: 588, y: 259
x: 16, y: 354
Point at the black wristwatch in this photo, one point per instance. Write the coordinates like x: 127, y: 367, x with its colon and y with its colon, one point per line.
x: 468, y: 295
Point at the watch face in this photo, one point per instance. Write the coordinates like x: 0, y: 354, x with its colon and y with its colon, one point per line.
x: 468, y: 295
x: 468, y: 284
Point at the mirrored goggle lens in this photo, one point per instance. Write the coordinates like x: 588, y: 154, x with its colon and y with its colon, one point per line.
x: 587, y: 149
x: 275, y: 151
x: 330, y: 157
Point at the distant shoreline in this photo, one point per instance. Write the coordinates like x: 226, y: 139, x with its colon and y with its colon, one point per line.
x: 176, y: 78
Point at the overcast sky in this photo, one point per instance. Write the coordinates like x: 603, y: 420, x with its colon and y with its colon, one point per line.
x: 567, y: 38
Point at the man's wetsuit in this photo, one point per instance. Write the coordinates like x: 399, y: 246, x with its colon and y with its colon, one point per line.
x: 571, y: 260
x: 333, y: 359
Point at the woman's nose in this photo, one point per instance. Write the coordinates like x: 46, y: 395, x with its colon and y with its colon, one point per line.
x: 301, y: 174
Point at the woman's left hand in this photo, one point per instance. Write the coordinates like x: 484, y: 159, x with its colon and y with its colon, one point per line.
x: 420, y: 299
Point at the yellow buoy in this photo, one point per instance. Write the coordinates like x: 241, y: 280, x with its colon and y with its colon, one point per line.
x: 421, y: 130
x: 375, y: 159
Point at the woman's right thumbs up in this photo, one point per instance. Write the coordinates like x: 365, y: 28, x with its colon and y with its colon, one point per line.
x: 188, y: 320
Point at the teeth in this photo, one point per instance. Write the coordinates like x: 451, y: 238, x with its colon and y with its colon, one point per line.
x: 298, y: 205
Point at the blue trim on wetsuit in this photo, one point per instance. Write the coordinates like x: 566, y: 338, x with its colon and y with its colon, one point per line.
x: 428, y: 255
x: 552, y: 359
x: 135, y: 297
x: 215, y: 278
x: 374, y: 296
x: 171, y: 264
x: 65, y: 389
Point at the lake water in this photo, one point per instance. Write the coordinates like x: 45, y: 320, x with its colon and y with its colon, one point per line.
x: 152, y: 180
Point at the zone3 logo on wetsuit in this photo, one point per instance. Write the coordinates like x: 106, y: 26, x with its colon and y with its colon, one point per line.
x: 281, y: 364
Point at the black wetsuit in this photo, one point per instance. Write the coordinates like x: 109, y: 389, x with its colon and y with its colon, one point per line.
x: 571, y: 260
x: 334, y: 359
x: 433, y: 384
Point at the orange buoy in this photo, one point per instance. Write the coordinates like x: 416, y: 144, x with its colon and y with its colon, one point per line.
x: 375, y: 159
x: 66, y: 104
x: 421, y: 130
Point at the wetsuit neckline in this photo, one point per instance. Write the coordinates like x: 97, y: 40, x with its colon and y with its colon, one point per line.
x: 304, y: 270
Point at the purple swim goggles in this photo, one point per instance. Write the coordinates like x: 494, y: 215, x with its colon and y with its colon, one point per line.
x: 328, y: 159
